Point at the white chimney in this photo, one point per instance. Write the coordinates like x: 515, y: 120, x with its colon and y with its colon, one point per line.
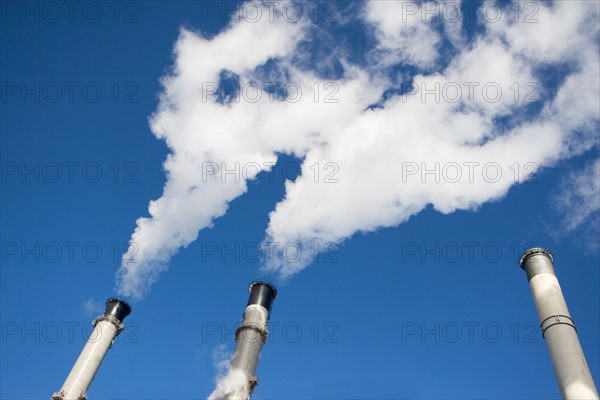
x: 250, y: 336
x: 558, y: 328
x: 107, y: 327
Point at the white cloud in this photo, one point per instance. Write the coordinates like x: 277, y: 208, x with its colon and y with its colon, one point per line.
x: 450, y: 123
x: 549, y: 31
x: 404, y: 32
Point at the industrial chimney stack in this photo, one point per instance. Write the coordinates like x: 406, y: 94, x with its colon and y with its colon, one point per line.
x: 250, y: 336
x: 107, y: 327
x: 558, y: 328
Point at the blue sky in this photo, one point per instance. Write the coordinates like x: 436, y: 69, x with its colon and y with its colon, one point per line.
x: 418, y: 293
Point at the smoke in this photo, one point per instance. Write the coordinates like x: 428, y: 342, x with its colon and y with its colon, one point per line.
x: 464, y: 121
x: 577, y: 202
x: 92, y: 307
x: 229, y: 380
x: 579, y: 197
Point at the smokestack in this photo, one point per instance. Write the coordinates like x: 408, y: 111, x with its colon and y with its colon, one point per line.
x: 107, y: 327
x: 251, y: 335
x: 558, y: 328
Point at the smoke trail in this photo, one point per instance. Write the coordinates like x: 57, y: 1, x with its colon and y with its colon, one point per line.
x: 228, y: 380
x: 233, y: 381
x: 460, y: 136
x: 577, y: 202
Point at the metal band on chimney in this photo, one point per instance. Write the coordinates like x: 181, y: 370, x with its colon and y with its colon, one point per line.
x: 556, y: 320
x: 263, y: 331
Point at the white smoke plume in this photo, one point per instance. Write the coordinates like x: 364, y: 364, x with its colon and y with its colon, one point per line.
x: 577, y: 201
x: 229, y: 380
x: 92, y: 307
x: 476, y: 121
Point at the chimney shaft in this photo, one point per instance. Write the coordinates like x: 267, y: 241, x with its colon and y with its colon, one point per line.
x: 107, y: 327
x: 558, y: 329
x: 251, y: 335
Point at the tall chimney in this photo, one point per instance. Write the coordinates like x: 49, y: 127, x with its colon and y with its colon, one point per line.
x: 558, y: 328
x: 251, y: 335
x: 107, y: 327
